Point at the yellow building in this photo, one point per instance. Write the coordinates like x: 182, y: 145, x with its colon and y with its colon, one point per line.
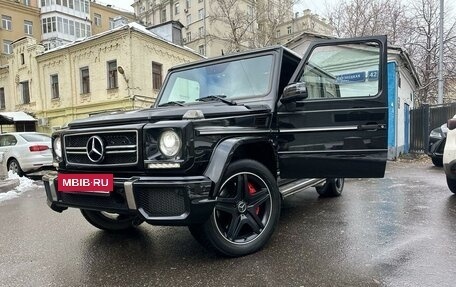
x: 120, y: 69
x: 55, y: 23
x: 204, y: 31
x: 308, y: 22
x: 103, y: 17
x: 19, y: 18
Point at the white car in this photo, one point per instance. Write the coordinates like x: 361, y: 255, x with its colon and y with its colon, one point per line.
x: 449, y: 155
x: 25, y: 152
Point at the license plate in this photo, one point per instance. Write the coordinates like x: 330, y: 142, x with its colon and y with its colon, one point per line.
x: 91, y: 183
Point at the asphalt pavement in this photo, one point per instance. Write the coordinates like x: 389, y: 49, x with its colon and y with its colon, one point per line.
x: 396, y: 231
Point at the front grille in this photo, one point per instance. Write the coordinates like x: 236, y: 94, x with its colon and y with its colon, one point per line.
x: 121, y: 148
x: 161, y: 203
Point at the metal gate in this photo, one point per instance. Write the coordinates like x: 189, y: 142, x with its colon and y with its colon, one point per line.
x: 424, y: 119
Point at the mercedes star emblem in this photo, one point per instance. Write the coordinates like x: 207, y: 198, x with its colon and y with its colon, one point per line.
x: 95, y: 149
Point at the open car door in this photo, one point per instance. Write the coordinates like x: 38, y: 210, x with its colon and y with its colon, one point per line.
x: 333, y: 115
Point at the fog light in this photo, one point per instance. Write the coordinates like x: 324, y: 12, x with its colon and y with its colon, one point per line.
x: 163, y: 165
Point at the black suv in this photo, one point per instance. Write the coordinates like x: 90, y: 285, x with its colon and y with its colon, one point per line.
x: 228, y: 138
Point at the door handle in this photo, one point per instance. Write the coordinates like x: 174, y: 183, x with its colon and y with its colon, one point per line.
x: 372, y: 127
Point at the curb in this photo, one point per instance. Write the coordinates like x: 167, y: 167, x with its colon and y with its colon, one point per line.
x: 8, y: 184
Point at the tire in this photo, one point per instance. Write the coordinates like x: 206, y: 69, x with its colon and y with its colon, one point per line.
x: 14, y: 166
x: 451, y: 184
x: 112, y: 222
x: 437, y: 161
x: 333, y: 187
x: 246, y: 213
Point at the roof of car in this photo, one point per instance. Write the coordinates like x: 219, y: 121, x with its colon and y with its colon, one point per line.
x: 237, y: 55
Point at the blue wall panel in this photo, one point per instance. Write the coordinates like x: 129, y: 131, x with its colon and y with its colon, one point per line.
x: 391, y: 107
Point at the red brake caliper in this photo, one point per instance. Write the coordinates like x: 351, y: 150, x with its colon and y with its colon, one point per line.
x: 252, y: 191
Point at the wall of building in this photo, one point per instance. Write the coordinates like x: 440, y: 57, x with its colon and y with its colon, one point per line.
x: 19, y: 13
x: 107, y: 15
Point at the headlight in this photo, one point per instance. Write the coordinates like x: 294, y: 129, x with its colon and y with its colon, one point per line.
x: 435, y: 134
x: 170, y: 143
x: 57, y: 147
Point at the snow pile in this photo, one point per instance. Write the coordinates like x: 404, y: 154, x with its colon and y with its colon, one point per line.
x: 25, y: 184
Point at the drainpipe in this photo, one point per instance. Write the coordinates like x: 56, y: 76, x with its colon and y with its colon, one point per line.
x: 204, y: 27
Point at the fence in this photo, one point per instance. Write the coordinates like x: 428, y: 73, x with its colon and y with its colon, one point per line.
x: 423, y: 120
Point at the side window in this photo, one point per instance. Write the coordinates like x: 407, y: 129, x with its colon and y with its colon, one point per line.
x: 7, y: 140
x: 344, y: 71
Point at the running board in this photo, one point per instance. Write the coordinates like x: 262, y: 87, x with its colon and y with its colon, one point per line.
x: 299, y: 185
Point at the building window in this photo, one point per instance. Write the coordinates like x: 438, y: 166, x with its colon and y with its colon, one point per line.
x: 200, y: 14
x: 111, y: 23
x: 25, y: 92
x: 66, y: 29
x: 6, y: 22
x: 289, y: 30
x: 65, y: 3
x: 71, y: 27
x: 7, y: 47
x: 163, y: 15
x: 59, y: 24
x: 201, y: 32
x: 70, y: 4
x: 58, y: 2
x: 26, y: 2
x: 28, y: 27
x: 189, y: 37
x: 49, y: 25
x: 200, y: 1
x: 278, y: 33
x: 2, y: 98
x: 202, y: 50
x: 189, y: 19
x: 156, y: 75
x: 77, y: 29
x: 85, y: 80
x: 176, y: 8
x: 112, y: 74
x: 97, y: 19
x: 188, y: 3
x: 22, y: 59
x: 55, y: 87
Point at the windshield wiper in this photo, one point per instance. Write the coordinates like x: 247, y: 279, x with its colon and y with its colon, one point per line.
x: 220, y: 98
x: 173, y: 103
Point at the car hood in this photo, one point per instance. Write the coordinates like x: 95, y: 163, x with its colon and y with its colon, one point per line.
x: 210, y: 110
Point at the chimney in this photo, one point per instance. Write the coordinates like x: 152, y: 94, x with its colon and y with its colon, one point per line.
x: 170, y: 31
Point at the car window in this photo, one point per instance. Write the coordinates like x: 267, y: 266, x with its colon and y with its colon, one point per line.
x: 7, y: 140
x: 238, y: 78
x: 343, y: 71
x: 36, y: 137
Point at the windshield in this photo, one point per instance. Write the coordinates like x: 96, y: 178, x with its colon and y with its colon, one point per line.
x: 231, y: 80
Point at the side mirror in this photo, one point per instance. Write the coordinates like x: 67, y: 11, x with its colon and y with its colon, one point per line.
x: 294, y: 92
x: 451, y: 124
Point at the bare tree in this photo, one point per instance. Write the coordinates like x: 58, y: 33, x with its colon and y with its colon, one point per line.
x: 231, y: 21
x: 248, y: 24
x: 423, y: 46
x: 270, y: 15
x: 414, y: 27
x: 353, y: 18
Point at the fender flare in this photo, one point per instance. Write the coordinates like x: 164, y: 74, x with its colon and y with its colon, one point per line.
x: 222, y: 155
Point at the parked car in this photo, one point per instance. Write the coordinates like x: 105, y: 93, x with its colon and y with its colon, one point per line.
x: 449, y: 155
x: 436, y: 144
x: 227, y: 139
x: 26, y: 152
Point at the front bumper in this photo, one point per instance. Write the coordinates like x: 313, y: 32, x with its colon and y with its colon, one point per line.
x: 158, y: 200
x: 436, y: 147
